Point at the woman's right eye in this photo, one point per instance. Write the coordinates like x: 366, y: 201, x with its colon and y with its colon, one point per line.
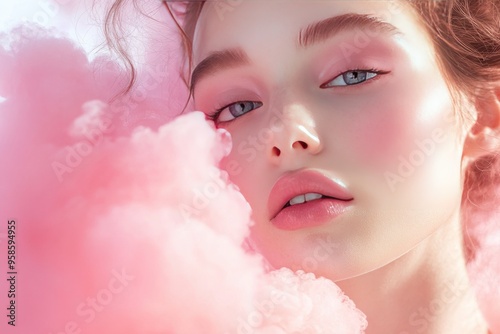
x: 234, y: 110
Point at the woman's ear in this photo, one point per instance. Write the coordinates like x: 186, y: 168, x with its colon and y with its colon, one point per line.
x: 484, y: 136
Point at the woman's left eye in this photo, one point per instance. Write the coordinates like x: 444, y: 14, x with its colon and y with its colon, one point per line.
x: 351, y: 78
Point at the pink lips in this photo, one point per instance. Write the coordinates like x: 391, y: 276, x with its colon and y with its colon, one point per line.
x: 308, y: 214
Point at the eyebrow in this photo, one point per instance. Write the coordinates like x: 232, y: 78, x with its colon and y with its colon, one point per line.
x: 314, y: 33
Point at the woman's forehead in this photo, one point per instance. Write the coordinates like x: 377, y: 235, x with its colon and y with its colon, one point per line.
x: 224, y: 24
x: 278, y: 33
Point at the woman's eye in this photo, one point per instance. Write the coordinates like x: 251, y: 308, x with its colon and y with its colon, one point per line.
x: 235, y: 110
x: 350, y: 78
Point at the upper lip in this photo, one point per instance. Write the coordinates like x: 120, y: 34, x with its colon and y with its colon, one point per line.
x: 302, y: 182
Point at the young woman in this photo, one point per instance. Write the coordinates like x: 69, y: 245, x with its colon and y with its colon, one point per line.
x: 360, y: 134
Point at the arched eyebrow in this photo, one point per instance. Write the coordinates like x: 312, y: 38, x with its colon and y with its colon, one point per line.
x: 312, y: 34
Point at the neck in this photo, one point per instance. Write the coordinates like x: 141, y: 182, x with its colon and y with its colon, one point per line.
x: 425, y: 291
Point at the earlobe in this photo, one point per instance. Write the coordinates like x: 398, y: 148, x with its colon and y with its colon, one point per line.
x: 488, y: 108
x: 484, y: 136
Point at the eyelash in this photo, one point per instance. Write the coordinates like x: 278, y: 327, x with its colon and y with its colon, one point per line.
x: 367, y: 70
x: 216, y: 113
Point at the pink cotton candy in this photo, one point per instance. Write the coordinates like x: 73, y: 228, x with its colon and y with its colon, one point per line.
x: 305, y: 304
x: 131, y: 229
x: 125, y: 223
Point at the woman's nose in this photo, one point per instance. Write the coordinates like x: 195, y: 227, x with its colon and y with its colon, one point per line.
x: 295, y: 135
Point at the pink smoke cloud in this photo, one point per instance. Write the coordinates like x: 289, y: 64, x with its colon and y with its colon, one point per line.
x: 124, y: 222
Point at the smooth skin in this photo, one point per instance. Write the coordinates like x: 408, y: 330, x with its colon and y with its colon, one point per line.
x: 370, y: 108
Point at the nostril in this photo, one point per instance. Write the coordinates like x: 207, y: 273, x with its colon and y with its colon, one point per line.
x: 301, y: 143
x: 276, y: 151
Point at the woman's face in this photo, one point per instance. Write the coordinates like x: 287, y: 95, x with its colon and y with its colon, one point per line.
x: 361, y: 102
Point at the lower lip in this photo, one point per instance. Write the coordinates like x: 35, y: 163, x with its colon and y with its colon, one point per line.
x: 310, y: 214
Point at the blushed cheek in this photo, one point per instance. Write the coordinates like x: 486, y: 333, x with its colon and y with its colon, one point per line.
x: 380, y: 135
x: 241, y: 165
x: 399, y: 124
